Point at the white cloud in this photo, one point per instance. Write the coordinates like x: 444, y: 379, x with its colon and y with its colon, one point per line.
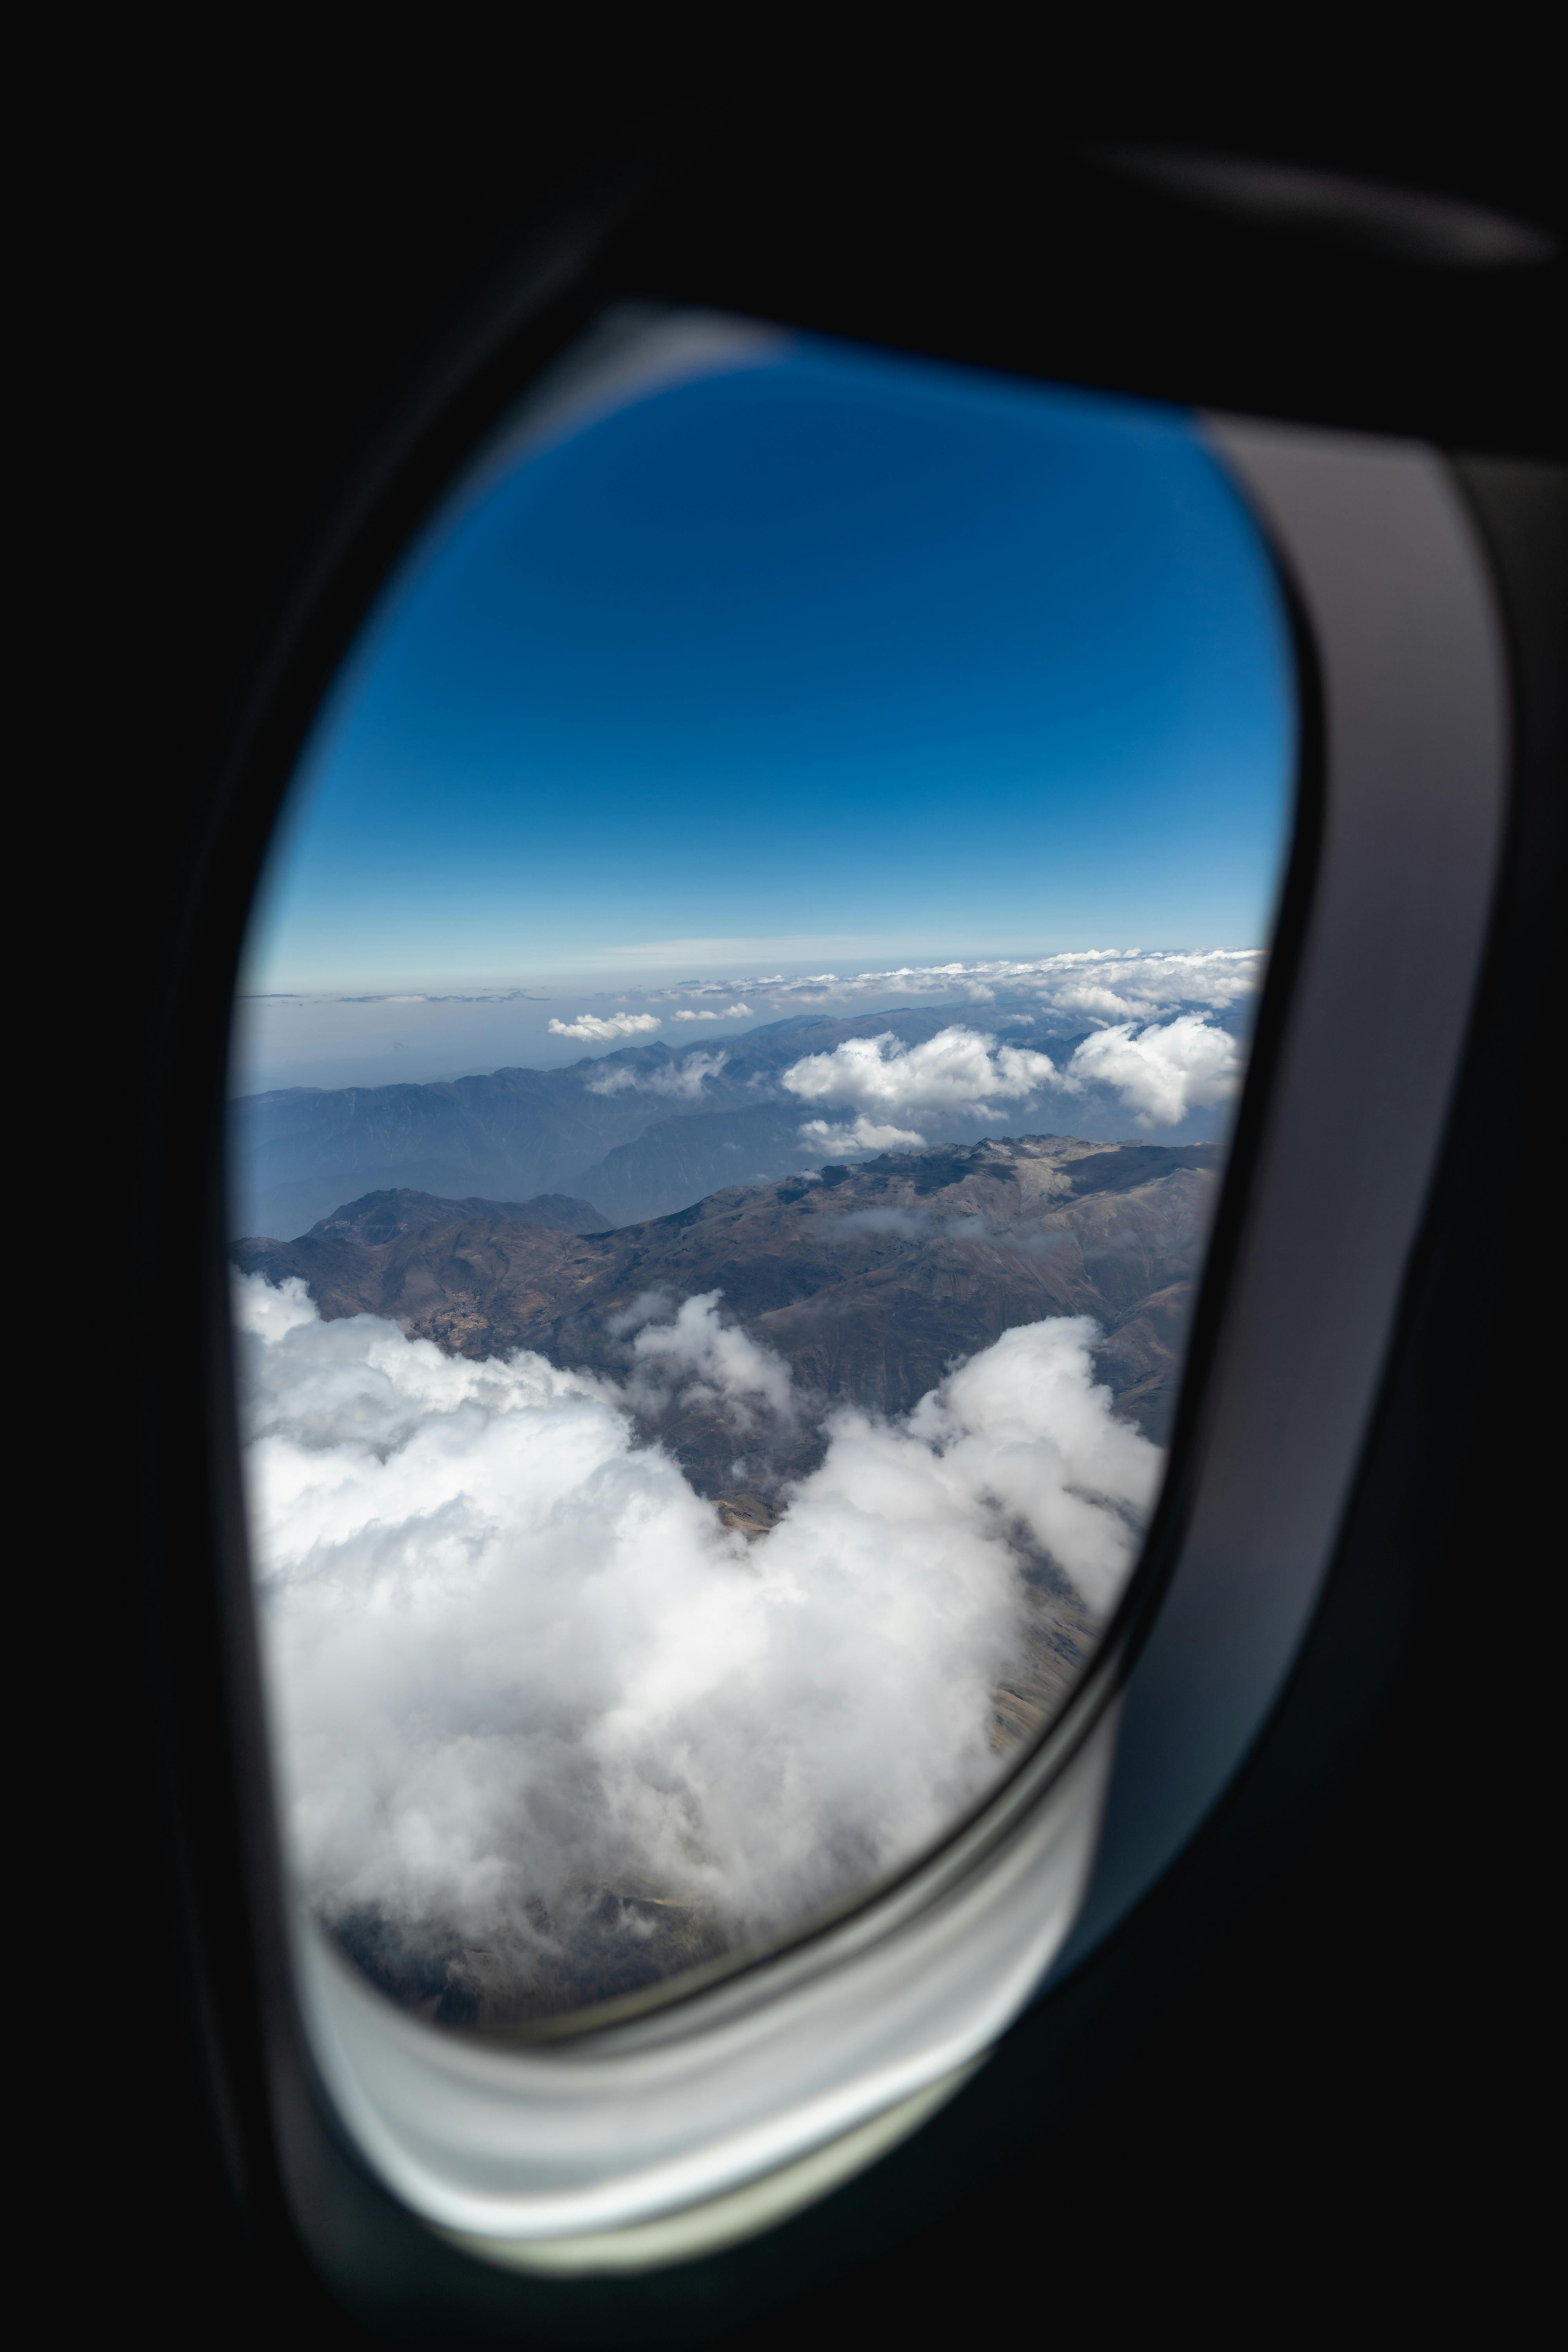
x: 682, y: 1079
x: 957, y: 1070
x: 685, y: 1079
x: 1161, y: 1073
x: 730, y: 1012
x: 514, y: 1658
x: 594, y: 1028
x: 861, y: 1134
x: 700, y: 1360
x: 1099, y: 984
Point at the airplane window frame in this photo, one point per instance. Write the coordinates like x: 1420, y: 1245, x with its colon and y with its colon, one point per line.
x: 1394, y: 524
x: 289, y: 696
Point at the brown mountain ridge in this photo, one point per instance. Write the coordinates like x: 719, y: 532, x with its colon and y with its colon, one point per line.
x: 870, y: 1281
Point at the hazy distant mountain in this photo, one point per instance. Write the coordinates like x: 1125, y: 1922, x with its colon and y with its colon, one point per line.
x: 675, y: 1161
x: 869, y: 1281
x: 641, y: 1131
x: 379, y: 1217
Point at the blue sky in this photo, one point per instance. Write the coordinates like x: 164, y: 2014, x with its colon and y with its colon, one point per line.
x: 827, y: 657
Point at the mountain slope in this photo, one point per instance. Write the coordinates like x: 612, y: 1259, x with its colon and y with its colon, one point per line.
x: 378, y: 1217
x: 869, y: 1282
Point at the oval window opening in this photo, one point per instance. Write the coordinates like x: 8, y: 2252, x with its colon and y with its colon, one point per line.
x: 738, y: 1041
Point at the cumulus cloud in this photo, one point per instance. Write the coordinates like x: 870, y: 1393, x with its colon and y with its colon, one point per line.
x: 1161, y: 1072
x: 595, y: 1028
x: 957, y: 1070
x: 861, y: 1134
x: 730, y: 1012
x: 515, y: 1660
x: 683, y: 1080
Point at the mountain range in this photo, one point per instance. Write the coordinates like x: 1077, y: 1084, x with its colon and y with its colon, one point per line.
x: 869, y: 1281
x: 640, y: 1131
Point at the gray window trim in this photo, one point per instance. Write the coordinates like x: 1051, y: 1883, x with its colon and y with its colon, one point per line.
x: 1395, y: 588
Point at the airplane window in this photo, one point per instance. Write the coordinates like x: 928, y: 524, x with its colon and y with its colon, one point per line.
x: 736, y: 1051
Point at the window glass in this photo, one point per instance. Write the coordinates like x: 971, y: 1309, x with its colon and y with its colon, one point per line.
x: 737, y: 1042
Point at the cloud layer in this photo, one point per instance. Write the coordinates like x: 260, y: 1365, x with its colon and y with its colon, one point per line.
x: 515, y: 1660
x: 1102, y: 984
